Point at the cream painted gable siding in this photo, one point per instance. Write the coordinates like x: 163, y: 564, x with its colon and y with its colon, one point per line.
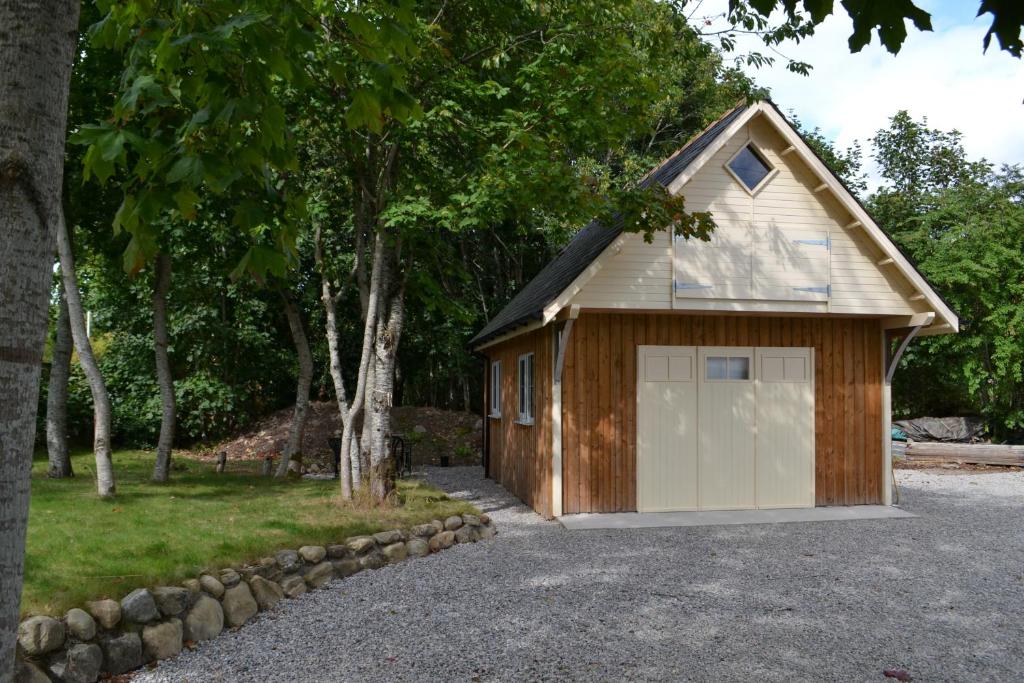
x: 640, y: 275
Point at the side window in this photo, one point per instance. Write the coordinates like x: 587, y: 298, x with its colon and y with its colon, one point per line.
x: 496, y: 389
x: 525, y: 375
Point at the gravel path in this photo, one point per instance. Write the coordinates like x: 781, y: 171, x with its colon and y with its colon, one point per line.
x: 941, y: 596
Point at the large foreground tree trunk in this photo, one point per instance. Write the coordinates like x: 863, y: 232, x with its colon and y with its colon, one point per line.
x: 37, y: 45
x: 98, y: 388
x: 294, y: 444
x: 162, y: 467
x: 57, y: 396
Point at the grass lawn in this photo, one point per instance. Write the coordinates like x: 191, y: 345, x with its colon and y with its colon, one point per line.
x: 82, y: 548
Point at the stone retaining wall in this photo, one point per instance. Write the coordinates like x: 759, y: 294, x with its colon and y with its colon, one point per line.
x: 147, y: 625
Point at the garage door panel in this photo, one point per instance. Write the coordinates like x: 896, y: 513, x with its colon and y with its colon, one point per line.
x: 785, y: 428
x: 726, y: 414
x: 667, y: 429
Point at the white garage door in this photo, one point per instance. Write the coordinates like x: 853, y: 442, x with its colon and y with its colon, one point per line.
x: 724, y: 428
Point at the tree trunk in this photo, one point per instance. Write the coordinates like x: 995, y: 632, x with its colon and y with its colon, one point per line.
x: 294, y: 444
x: 363, y: 455
x: 382, y: 465
x: 37, y: 46
x: 369, y: 325
x: 100, y: 398
x: 162, y: 467
x: 348, y: 463
x: 57, y: 397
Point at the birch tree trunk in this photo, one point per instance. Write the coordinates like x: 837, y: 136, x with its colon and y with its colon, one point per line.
x: 100, y: 398
x: 57, y: 397
x: 369, y: 326
x: 348, y: 463
x: 382, y: 465
x: 37, y: 46
x: 298, y: 426
x: 162, y: 467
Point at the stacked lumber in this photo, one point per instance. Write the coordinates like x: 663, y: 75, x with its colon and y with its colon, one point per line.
x: 972, y: 453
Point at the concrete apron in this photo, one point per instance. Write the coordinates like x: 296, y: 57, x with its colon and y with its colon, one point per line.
x: 647, y: 520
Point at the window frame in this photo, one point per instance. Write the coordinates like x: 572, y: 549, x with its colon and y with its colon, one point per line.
x: 756, y: 151
x: 525, y: 385
x: 494, y: 411
x: 728, y: 358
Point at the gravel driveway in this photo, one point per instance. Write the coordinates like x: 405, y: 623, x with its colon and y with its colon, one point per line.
x: 941, y: 596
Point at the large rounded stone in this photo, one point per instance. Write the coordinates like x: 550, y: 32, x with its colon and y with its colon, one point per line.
x: 417, y: 547
x: 445, y: 539
x: 319, y: 574
x: 171, y: 600
x: 27, y: 672
x: 485, y: 518
x: 424, y: 530
x: 487, y: 532
x: 374, y: 560
x: 79, y: 664
x: 239, y: 605
x: 163, y: 640
x: 192, y: 586
x: 338, y: 551
x: 267, y: 593
x: 122, y: 653
x: 452, y: 523
x: 346, y: 567
x: 313, y: 553
x: 289, y: 561
x: 211, y: 585
x: 438, y: 526
x: 396, y: 552
x: 471, y: 520
x: 106, y: 612
x: 39, y: 635
x: 361, y: 544
x: 229, y: 577
x: 204, y: 621
x: 389, y: 537
x: 80, y: 625
x: 293, y: 586
x: 467, y: 534
x: 139, y: 607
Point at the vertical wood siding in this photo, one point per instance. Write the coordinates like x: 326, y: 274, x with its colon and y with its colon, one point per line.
x: 520, y: 455
x: 599, y: 404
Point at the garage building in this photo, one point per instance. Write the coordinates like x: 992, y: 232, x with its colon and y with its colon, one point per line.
x: 751, y: 371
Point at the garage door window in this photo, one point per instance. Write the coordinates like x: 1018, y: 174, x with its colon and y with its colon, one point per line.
x: 726, y: 368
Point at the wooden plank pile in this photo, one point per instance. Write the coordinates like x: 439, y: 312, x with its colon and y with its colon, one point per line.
x: 972, y: 453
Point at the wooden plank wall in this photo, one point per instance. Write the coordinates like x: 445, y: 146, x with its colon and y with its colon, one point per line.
x: 520, y: 455
x: 599, y: 399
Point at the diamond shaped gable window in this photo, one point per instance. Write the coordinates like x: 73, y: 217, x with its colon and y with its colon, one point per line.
x: 749, y: 167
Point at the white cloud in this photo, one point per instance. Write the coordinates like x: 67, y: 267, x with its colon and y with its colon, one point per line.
x: 942, y: 75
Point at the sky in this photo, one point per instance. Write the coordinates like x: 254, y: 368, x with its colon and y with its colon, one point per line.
x: 942, y: 75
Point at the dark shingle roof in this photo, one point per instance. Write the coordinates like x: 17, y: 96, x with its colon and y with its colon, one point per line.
x: 529, y: 303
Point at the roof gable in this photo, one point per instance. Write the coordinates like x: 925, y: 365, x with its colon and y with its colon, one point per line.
x: 556, y: 285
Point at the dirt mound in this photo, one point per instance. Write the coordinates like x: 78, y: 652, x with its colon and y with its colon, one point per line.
x: 429, y: 431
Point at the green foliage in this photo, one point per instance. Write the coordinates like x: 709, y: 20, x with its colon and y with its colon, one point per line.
x: 963, y: 223
x: 81, y: 548
x: 888, y: 19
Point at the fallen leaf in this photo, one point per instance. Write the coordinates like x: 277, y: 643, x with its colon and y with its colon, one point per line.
x: 898, y: 674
